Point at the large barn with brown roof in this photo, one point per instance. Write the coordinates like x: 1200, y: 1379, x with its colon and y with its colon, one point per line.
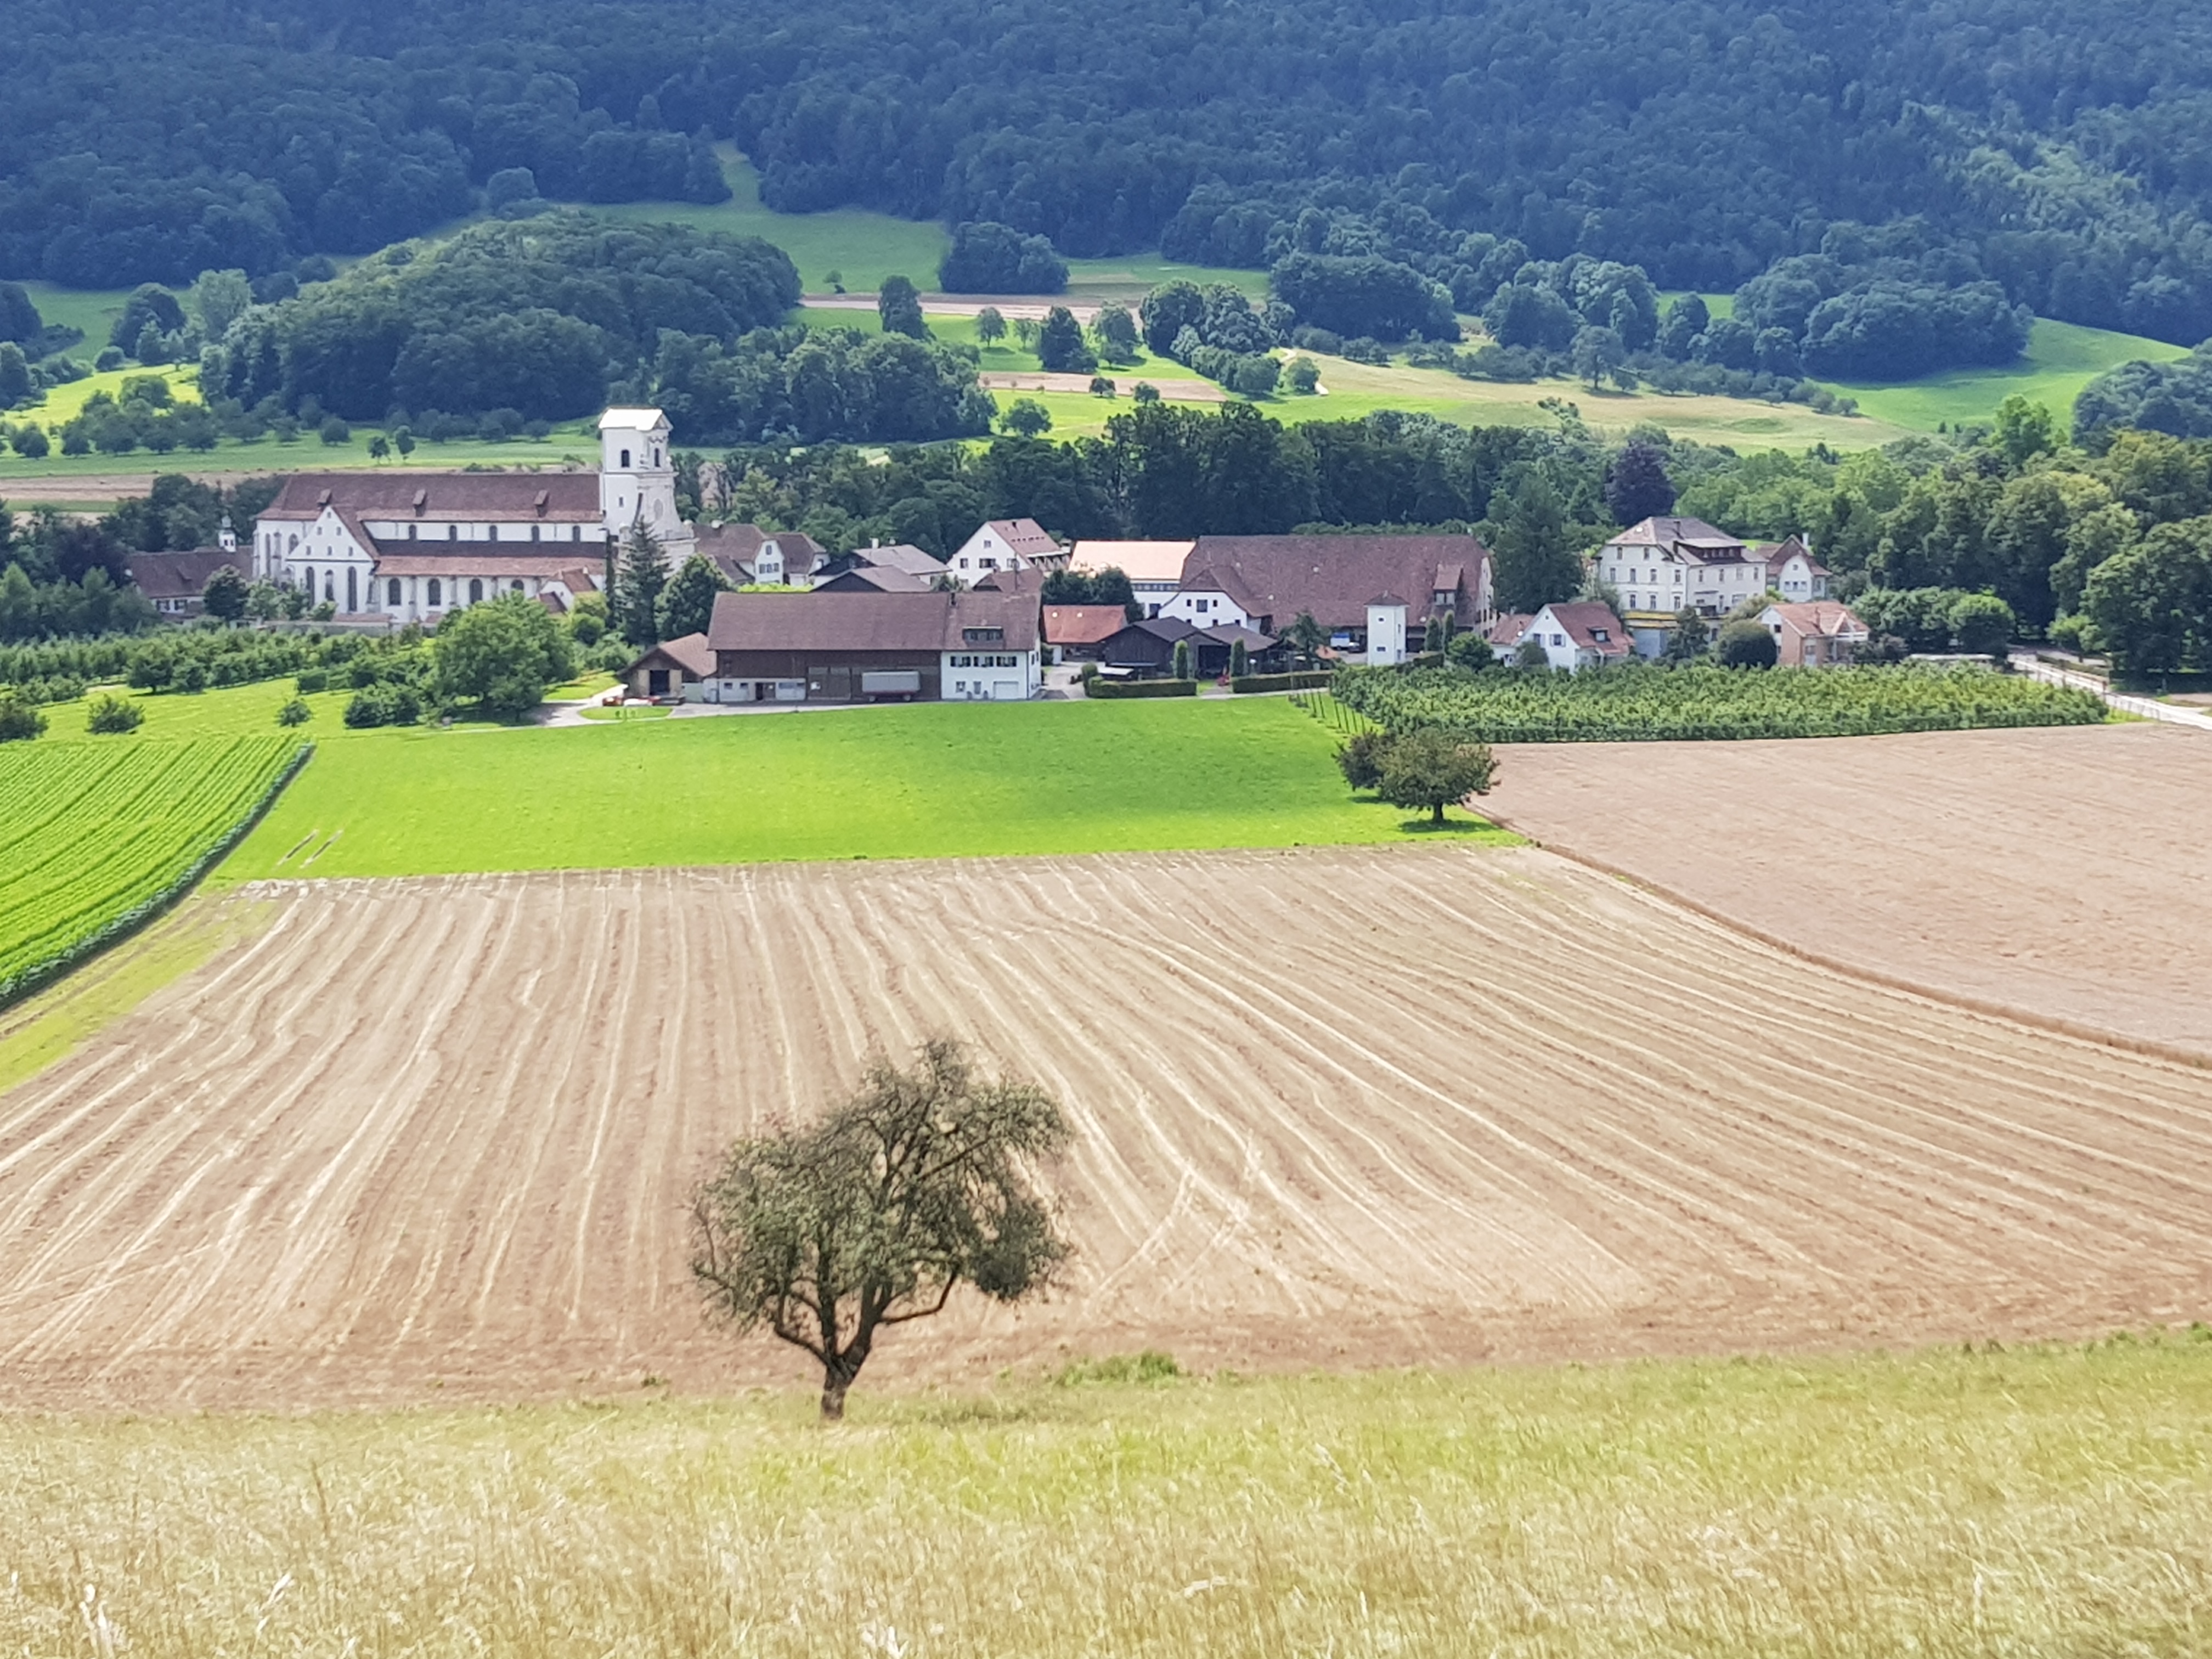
x: 874, y: 647
x: 1267, y: 582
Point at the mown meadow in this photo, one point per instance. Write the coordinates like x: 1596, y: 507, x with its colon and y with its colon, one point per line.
x: 923, y: 780
x: 2043, y: 1500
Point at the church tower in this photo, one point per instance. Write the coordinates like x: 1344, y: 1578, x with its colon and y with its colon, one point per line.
x: 637, y: 481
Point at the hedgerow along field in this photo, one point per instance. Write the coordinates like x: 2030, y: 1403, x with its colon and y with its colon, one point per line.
x: 924, y: 780
x: 2028, y: 1501
x: 101, y: 833
x: 1647, y: 703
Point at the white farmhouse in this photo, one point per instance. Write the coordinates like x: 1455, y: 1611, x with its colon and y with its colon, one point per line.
x: 1583, y: 635
x: 1005, y: 545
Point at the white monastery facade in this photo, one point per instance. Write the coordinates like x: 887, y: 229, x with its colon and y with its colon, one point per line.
x: 410, y: 546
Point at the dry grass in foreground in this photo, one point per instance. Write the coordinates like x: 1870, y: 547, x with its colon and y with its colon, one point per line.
x: 2044, y: 1501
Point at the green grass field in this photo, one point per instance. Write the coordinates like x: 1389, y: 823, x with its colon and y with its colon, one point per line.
x: 92, y: 311
x: 928, y: 780
x: 2061, y: 359
x: 2043, y: 1501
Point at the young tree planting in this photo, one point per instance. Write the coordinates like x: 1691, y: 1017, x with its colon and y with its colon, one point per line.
x: 871, y: 1217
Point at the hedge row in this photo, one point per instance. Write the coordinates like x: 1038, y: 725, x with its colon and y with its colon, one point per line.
x: 1105, y: 687
x: 1309, y: 680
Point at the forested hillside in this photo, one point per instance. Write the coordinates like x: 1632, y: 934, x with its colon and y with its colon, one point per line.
x: 2053, y: 152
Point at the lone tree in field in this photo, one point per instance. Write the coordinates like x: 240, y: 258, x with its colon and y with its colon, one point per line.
x: 870, y: 1218
x: 1434, y: 769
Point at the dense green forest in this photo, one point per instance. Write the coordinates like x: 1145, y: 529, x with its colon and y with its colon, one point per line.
x: 2052, y: 154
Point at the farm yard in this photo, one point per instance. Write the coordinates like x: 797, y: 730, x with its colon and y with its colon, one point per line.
x: 431, y: 1138
x: 2055, y: 872
x: 100, y: 832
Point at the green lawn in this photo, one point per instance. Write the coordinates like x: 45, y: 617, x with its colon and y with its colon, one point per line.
x: 2041, y: 1501
x: 574, y: 444
x: 930, y: 779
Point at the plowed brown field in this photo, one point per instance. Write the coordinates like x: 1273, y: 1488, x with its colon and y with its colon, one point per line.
x: 2059, y: 874
x: 1331, y: 1107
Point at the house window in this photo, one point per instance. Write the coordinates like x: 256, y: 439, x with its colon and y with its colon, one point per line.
x: 475, y: 590
x: 436, y: 595
x: 391, y: 592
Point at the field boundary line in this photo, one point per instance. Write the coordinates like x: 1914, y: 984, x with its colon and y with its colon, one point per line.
x: 2054, y: 1024
x: 38, y: 976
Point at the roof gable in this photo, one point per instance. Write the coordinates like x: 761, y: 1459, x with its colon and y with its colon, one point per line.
x: 1333, y: 577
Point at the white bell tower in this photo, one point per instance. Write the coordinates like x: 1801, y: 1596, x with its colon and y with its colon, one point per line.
x: 637, y: 481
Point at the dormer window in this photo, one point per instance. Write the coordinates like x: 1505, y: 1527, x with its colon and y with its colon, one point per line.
x: 983, y: 635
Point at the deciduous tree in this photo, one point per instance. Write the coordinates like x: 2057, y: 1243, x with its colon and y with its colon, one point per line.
x: 826, y: 1236
x: 1434, y: 769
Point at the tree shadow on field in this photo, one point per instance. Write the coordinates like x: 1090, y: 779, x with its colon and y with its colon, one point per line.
x: 1449, y: 827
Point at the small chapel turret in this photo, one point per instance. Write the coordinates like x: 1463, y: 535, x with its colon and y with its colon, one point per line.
x: 637, y: 480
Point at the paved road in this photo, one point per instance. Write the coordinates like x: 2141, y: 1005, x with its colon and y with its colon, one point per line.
x: 2147, y: 708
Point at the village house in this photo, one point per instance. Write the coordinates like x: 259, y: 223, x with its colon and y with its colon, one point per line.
x: 1154, y: 569
x: 1793, y: 572
x: 1146, y: 649
x: 1663, y: 565
x: 900, y: 555
x: 674, y: 668
x: 874, y: 578
x: 1584, y: 634
x: 873, y: 647
x: 1005, y: 545
x: 1814, y: 634
x: 1265, y: 583
x: 748, y: 556
x: 175, y: 583
x: 1077, y: 633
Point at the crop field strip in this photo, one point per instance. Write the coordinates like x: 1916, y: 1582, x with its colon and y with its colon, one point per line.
x: 438, y: 1133
x: 1647, y: 703
x: 2054, y: 873
x: 99, y: 833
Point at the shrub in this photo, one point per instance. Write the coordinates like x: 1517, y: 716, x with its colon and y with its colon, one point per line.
x: 1360, y: 758
x: 1305, y: 680
x: 312, y: 679
x: 108, y: 714
x: 294, y: 712
x: 20, y: 720
x: 1110, y: 688
x: 334, y: 431
x: 1982, y: 624
x: 1745, y: 644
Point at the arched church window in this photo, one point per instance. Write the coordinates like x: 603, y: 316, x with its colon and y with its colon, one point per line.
x: 625, y: 460
x: 476, y: 589
x: 453, y: 532
x: 437, y: 594
x: 518, y: 585
x: 533, y: 533
x: 391, y: 592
